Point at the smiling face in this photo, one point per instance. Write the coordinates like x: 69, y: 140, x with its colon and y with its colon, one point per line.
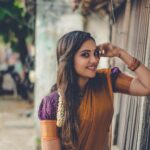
x: 86, y: 60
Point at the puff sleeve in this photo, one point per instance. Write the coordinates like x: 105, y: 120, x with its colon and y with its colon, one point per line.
x: 47, y: 116
x: 120, y: 81
x: 48, y: 107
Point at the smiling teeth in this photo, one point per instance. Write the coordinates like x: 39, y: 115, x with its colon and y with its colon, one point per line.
x: 92, y: 68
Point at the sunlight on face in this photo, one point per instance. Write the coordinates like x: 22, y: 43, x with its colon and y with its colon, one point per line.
x: 86, y: 60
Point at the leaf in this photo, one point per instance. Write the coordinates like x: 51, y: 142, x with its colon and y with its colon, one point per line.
x: 19, y: 4
x: 2, y: 15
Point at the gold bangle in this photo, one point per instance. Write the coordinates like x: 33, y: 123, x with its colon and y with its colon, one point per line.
x: 134, y: 64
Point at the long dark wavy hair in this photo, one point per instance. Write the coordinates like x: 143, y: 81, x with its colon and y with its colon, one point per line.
x: 67, y: 47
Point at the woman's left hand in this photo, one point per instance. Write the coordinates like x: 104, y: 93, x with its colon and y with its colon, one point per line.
x: 109, y: 50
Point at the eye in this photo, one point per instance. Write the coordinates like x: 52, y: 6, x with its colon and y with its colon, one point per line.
x: 97, y: 53
x: 85, y: 54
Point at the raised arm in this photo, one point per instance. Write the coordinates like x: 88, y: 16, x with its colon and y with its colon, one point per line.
x: 140, y: 85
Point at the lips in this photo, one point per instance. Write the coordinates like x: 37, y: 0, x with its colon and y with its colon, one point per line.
x: 92, y: 68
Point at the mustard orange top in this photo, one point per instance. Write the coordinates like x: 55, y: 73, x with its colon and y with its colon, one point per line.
x: 96, y: 111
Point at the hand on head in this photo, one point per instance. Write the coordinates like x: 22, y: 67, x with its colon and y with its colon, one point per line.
x: 108, y: 50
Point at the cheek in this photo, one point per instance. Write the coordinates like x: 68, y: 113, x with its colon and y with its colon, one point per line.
x: 79, y: 64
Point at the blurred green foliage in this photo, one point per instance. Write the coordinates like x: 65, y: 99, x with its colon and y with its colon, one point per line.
x: 19, y: 3
x: 15, y: 24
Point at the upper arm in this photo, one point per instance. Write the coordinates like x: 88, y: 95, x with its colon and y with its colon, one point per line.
x: 49, y: 135
x: 51, y: 145
x: 137, y: 88
x: 120, y: 81
x: 47, y: 115
x: 127, y: 84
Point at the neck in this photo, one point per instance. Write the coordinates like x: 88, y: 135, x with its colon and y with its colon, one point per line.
x: 82, y: 82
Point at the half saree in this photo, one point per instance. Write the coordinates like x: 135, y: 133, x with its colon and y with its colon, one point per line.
x: 95, y: 111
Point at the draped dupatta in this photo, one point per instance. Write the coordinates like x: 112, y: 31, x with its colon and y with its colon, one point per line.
x: 95, y: 113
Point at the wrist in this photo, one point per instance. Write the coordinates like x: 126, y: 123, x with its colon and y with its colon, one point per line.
x: 134, y: 64
x: 120, y: 53
x: 124, y: 56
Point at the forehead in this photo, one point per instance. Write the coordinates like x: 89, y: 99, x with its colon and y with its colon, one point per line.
x: 88, y: 45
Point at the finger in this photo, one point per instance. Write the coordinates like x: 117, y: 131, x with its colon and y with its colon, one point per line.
x: 103, y: 46
x: 99, y: 47
x: 102, y: 52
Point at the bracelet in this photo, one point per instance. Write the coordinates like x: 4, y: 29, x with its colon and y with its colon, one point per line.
x: 134, y: 64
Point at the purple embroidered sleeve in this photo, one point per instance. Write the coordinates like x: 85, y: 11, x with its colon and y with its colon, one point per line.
x: 114, y: 74
x: 48, y: 107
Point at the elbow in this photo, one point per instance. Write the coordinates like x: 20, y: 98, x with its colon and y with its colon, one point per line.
x: 146, y: 90
x: 147, y: 93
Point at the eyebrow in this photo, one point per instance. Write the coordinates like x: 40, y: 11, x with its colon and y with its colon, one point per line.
x: 87, y: 50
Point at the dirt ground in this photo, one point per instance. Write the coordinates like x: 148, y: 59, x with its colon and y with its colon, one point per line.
x: 16, y: 124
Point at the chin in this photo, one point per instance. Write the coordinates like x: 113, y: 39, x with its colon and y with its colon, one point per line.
x: 91, y: 75
x: 87, y: 74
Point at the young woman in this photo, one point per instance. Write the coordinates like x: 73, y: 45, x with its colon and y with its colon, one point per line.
x: 78, y: 112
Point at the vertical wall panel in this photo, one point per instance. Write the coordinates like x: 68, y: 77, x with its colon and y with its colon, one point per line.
x: 134, y: 123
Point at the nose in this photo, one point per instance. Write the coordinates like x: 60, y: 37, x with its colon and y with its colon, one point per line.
x: 94, y: 59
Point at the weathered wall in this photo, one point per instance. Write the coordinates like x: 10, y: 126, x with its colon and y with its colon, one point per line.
x: 131, y: 32
x: 54, y: 18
